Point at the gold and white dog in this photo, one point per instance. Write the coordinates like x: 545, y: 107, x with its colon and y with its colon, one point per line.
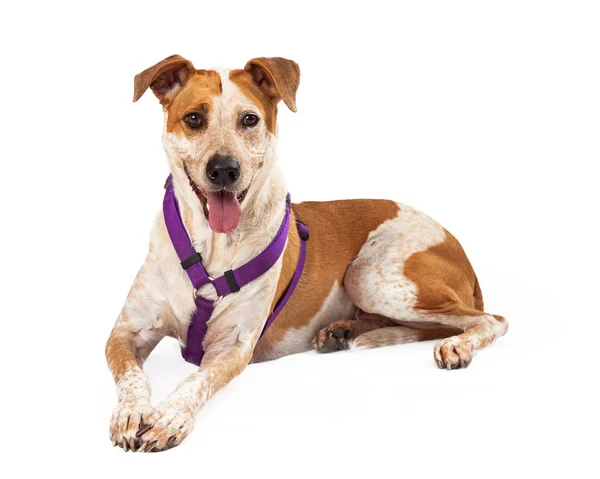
x: 377, y: 272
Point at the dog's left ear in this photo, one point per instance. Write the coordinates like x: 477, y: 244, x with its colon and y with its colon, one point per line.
x: 164, y: 77
x: 278, y: 77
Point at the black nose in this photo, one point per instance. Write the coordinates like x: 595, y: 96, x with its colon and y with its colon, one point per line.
x: 223, y: 170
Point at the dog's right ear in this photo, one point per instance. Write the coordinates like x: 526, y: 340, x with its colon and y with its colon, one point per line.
x: 164, y: 77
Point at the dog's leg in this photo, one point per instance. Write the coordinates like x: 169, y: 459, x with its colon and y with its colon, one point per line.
x: 413, y: 271
x: 369, y: 331
x: 480, y: 329
x: 133, y: 387
x: 338, y: 335
x: 132, y: 339
x: 172, y: 421
x: 393, y: 335
x: 444, y: 308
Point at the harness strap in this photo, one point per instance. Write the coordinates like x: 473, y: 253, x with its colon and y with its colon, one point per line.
x: 193, y: 350
x: 180, y: 239
x: 303, y: 232
x: 231, y: 281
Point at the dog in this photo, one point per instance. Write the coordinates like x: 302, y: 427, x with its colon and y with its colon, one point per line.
x: 376, y: 272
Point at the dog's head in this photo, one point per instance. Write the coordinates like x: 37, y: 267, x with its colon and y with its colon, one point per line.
x: 220, y: 127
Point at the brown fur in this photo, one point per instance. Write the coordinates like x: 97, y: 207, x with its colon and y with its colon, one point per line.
x: 195, y: 96
x: 119, y: 355
x: 266, y: 81
x: 278, y: 77
x: 162, y: 76
x: 446, y: 281
x: 289, y: 263
x: 444, y: 277
x: 267, y: 106
x: 327, y: 257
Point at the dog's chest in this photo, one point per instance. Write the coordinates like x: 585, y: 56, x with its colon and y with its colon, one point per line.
x: 237, y: 313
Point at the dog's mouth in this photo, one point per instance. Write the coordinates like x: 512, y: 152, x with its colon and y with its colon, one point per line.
x: 222, y: 208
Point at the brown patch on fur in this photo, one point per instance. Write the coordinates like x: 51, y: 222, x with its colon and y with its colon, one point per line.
x: 445, y: 279
x: 266, y: 81
x: 327, y: 257
x: 266, y: 104
x: 447, y: 285
x: 195, y: 96
x: 119, y: 354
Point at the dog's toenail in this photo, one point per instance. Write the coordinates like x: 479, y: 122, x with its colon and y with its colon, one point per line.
x: 338, y: 333
x: 143, y: 430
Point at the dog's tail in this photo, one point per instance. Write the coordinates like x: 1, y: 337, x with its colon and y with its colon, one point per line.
x: 478, y: 304
x: 477, y: 296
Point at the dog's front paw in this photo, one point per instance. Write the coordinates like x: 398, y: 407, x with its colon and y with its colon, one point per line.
x: 169, y: 425
x: 128, y: 418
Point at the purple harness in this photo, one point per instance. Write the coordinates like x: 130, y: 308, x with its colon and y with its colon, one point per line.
x: 232, y: 280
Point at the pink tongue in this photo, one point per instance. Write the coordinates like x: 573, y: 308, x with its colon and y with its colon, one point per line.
x: 224, y: 212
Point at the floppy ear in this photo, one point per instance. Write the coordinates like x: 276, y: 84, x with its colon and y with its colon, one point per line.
x: 171, y: 73
x: 278, y: 77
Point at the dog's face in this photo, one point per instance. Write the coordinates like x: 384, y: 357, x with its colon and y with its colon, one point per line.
x: 220, y: 127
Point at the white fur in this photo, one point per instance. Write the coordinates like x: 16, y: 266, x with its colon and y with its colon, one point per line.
x: 228, y: 88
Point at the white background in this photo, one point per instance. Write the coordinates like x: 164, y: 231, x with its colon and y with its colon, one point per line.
x: 485, y: 115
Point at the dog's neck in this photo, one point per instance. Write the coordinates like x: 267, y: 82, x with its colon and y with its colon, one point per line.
x: 262, y: 214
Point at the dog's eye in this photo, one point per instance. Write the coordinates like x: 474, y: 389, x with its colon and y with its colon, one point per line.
x: 193, y: 120
x: 250, y: 120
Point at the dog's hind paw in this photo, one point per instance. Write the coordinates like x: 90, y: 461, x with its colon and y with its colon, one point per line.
x: 453, y: 353
x: 334, y: 337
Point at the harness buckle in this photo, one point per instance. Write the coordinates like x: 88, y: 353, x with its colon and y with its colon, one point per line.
x: 195, y: 258
x: 234, y: 287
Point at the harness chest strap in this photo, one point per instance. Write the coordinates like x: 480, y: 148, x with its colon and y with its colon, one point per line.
x: 231, y: 281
